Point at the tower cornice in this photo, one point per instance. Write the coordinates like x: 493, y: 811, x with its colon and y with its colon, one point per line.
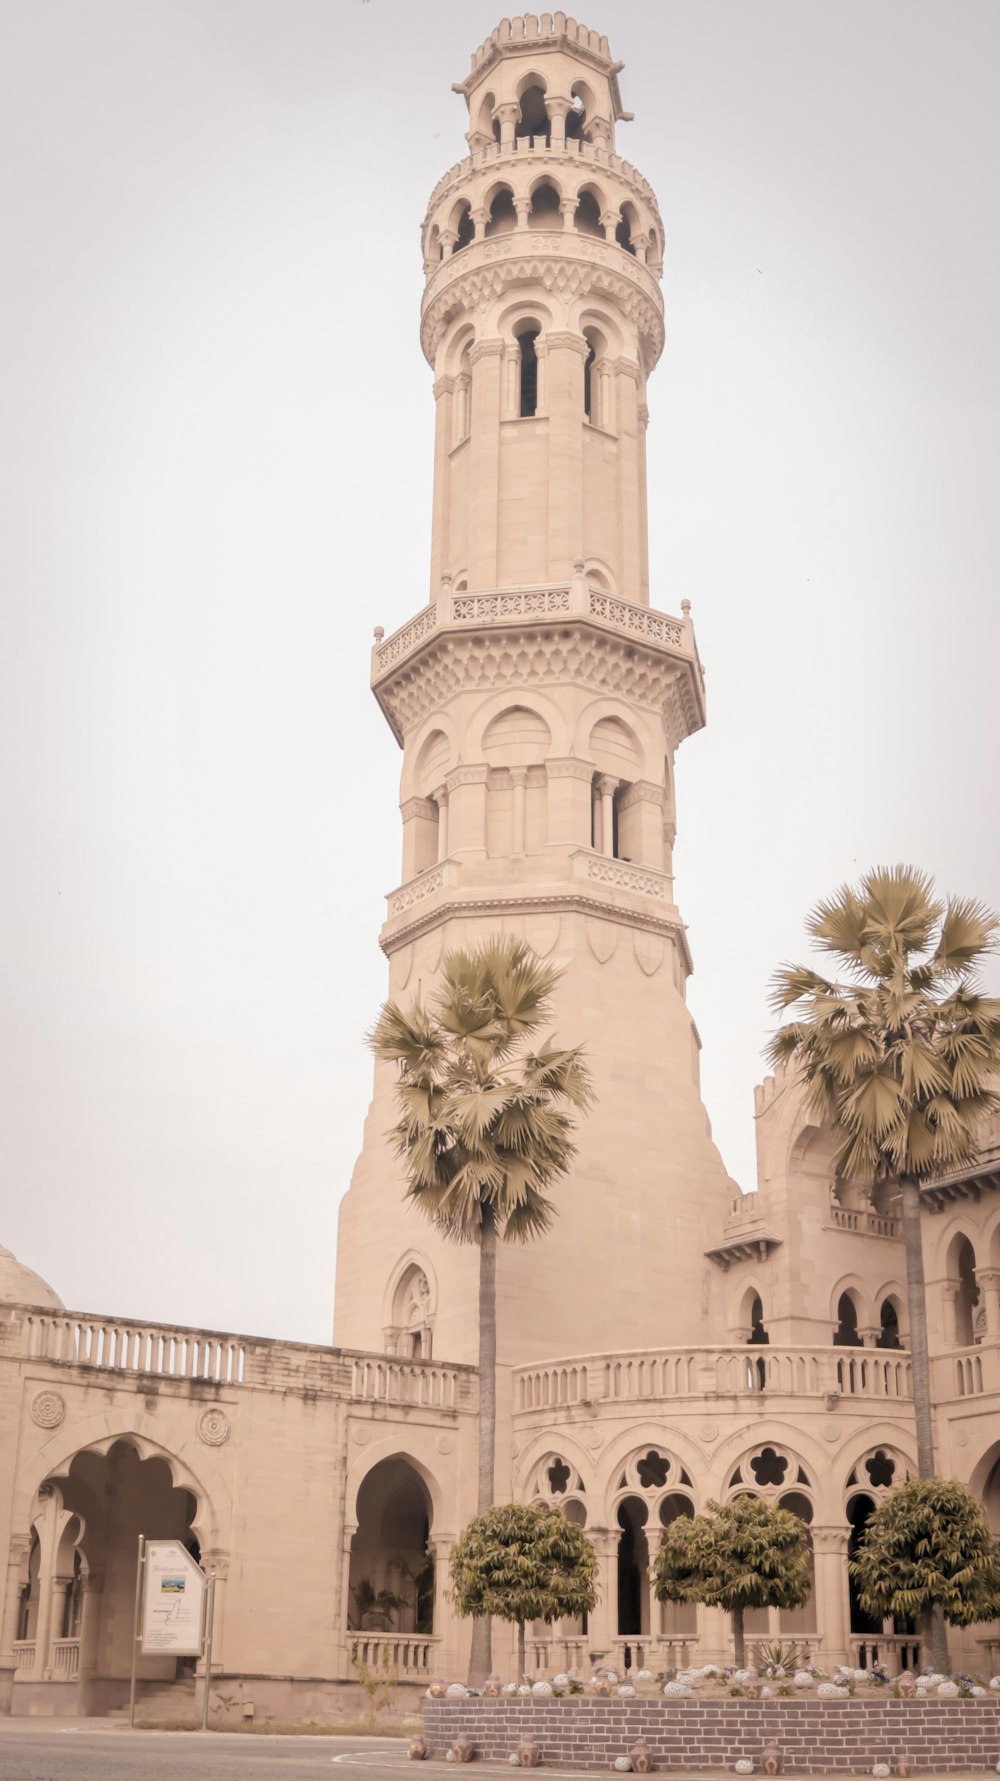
x: 573, y: 630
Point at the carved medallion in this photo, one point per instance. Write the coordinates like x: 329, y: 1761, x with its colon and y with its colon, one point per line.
x: 213, y: 1427
x: 47, y: 1409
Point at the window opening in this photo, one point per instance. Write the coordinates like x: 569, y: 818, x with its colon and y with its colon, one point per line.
x: 587, y: 217
x: 575, y: 120
x: 588, y: 385
x: 528, y: 405
x: 881, y: 1470
x: 769, y: 1467
x: 623, y: 234
x: 534, y: 119
x: 846, y: 1335
x: 888, y: 1336
x: 466, y: 229
x: 503, y: 215
x: 652, y: 1472
x: 558, y: 1476
x: 545, y: 208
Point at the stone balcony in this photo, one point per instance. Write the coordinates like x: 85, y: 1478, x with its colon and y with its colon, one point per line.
x: 670, y: 1375
x: 437, y: 644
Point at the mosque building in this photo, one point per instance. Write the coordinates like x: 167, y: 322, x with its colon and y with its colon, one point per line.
x: 671, y: 1339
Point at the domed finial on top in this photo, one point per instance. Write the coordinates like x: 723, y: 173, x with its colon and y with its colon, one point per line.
x: 542, y: 76
x: 22, y: 1286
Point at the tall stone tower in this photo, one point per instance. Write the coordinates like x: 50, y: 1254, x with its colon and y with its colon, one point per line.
x: 539, y: 701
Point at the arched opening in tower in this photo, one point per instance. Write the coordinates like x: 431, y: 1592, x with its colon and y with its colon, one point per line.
x: 534, y: 118
x: 392, y: 1571
x: 544, y: 212
x: 528, y: 390
x: 846, y: 1334
x: 633, y: 1569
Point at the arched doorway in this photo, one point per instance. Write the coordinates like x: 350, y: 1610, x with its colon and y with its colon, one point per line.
x: 79, y: 1602
x: 391, y: 1585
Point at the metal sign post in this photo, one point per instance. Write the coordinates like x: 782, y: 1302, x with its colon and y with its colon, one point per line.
x: 209, y: 1628
x: 136, y: 1621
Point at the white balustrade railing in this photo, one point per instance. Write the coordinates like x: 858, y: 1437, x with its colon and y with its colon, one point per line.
x: 405, y: 1654
x: 548, y: 1655
x: 121, y: 1347
x: 894, y: 1651
x: 24, y: 1654
x: 870, y: 1224
x: 65, y: 1659
x: 714, y: 1372
x: 391, y: 1381
x: 528, y: 605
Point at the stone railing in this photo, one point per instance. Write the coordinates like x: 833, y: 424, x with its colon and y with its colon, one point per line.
x: 65, y: 1659
x: 591, y: 154
x: 967, y: 1372
x: 552, y: 1652
x: 714, y: 1372
x: 870, y: 1224
x: 113, y: 1348
x: 391, y: 1381
x: 642, y: 881
x: 410, y: 1655
x: 24, y: 1654
x: 119, y: 1347
x: 434, y: 878
x: 533, y: 604
x: 895, y: 1651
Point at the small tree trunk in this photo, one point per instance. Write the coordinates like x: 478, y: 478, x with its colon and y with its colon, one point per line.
x: 739, y: 1642
x: 917, y: 1301
x: 481, y: 1656
x: 520, y: 1649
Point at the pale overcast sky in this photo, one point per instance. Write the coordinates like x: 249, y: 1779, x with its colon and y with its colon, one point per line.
x: 216, y: 463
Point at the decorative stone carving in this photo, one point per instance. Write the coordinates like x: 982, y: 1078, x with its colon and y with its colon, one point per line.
x: 602, y: 938
x: 47, y: 1409
x: 213, y: 1427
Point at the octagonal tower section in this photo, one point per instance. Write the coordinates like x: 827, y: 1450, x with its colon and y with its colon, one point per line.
x: 539, y: 701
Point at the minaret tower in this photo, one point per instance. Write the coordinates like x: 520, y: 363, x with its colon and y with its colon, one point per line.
x: 539, y: 700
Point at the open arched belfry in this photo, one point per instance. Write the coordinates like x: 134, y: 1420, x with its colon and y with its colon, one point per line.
x: 671, y: 1339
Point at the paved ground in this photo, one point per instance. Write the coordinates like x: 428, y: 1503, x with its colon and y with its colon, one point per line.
x: 44, y: 1750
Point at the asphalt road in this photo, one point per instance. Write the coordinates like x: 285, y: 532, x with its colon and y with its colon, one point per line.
x: 51, y: 1753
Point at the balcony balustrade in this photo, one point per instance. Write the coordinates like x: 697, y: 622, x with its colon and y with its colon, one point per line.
x: 672, y: 1373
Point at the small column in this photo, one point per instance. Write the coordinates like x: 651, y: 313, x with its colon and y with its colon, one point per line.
x: 90, y: 1622
x: 449, y: 239
x: 567, y: 210
x: 484, y: 464
x: 522, y: 210
x: 441, y: 800
x: 640, y: 823
x: 949, y: 1298
x: 568, y: 799
x: 832, y: 1604
x: 558, y: 110
x: 463, y: 383
x: 59, y: 1590
x: 603, y: 1621
x: 609, y: 220
x: 446, y: 1659
x: 466, y: 789
x: 519, y: 778
x: 343, y: 1636
x: 989, y: 1291
x: 20, y: 1546
x: 480, y: 217
x: 640, y: 241
x: 420, y: 821
x: 607, y: 788
x: 508, y: 113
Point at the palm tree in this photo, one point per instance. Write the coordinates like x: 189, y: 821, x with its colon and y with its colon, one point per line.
x: 484, y: 1130
x: 898, y: 1055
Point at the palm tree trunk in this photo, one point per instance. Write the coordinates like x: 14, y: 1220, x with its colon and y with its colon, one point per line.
x: 481, y: 1657
x: 739, y: 1642
x: 917, y: 1302
x: 934, y: 1635
x: 520, y: 1650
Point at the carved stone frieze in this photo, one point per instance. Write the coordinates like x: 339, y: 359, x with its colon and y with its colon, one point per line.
x: 641, y: 791
x: 583, y: 274
x: 213, y: 1426
x: 521, y: 657
x: 47, y: 1409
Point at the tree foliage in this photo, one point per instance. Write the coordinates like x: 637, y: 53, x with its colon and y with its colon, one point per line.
x: 929, y: 1545
x: 899, y: 1050
x: 485, y: 1121
x: 523, y: 1561
x: 738, y: 1555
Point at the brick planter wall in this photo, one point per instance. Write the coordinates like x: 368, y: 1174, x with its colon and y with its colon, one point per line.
x: 816, y: 1737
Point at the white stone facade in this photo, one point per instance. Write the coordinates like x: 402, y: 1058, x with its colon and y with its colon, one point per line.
x: 670, y: 1341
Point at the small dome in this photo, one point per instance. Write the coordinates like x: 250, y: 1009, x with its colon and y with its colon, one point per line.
x: 22, y: 1286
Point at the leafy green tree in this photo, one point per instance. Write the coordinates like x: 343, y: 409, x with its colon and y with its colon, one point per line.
x: 485, y: 1129
x: 738, y: 1555
x: 928, y: 1546
x: 521, y: 1562
x: 898, y: 1053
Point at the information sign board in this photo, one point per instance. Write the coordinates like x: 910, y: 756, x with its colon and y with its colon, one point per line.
x: 173, y: 1603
